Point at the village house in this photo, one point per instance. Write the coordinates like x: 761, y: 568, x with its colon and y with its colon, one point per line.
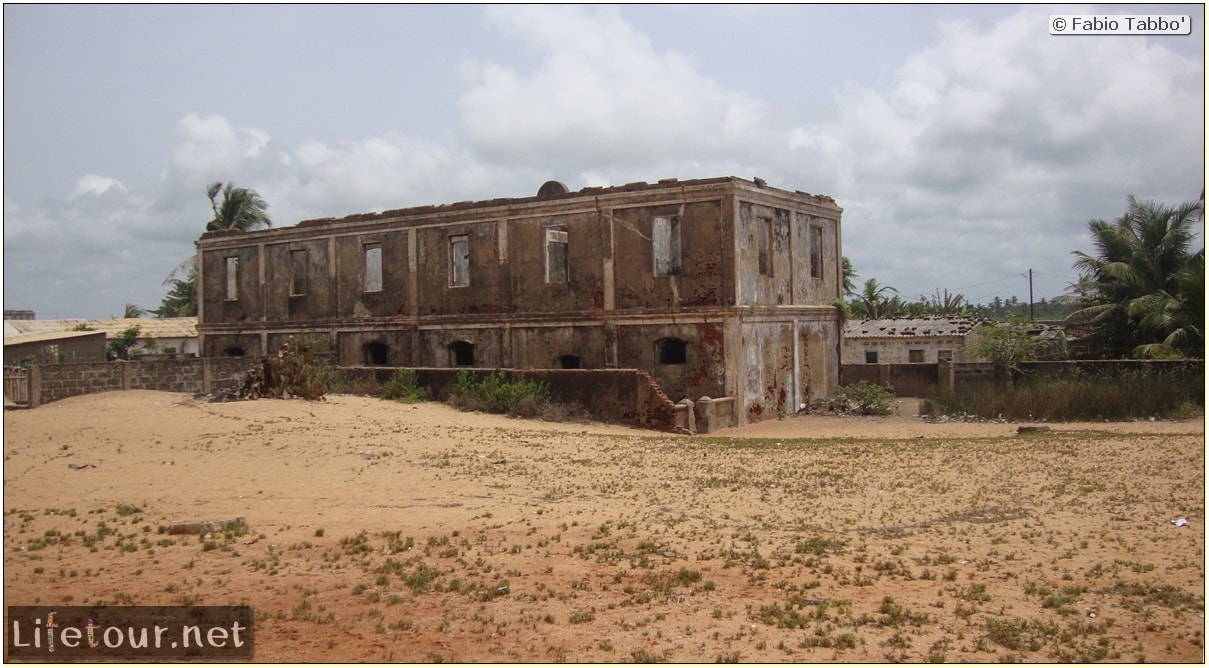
x: 719, y: 287
x: 923, y: 340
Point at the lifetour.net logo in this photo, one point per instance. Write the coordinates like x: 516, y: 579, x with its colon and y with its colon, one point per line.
x: 128, y: 633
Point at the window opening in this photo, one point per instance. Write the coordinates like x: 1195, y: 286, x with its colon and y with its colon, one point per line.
x: 233, y: 351
x: 665, y: 237
x: 671, y: 351
x: 297, y: 273
x: 870, y: 357
x: 816, y: 251
x: 764, y: 245
x: 459, y: 261
x: 915, y: 356
x: 556, y: 255
x: 568, y: 362
x: 373, y: 267
x: 376, y: 353
x: 461, y: 353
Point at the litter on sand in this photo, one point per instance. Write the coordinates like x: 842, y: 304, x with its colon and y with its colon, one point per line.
x: 1180, y: 522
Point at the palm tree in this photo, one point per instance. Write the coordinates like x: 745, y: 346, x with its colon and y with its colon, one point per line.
x: 1139, y: 268
x: 240, y: 209
x: 873, y: 303
x: 849, y: 276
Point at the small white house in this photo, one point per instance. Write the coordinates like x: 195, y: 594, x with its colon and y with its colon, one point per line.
x: 925, y: 340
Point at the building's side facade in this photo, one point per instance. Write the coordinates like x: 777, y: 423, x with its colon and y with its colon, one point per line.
x: 717, y: 287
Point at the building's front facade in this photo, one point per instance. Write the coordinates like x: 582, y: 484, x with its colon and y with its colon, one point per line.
x: 716, y: 287
x: 924, y: 340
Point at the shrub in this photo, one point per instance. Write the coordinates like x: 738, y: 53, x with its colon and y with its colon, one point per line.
x: 495, y: 393
x: 863, y: 398
x: 404, y: 387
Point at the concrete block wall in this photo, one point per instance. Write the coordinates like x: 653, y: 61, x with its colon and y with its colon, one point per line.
x: 53, y: 382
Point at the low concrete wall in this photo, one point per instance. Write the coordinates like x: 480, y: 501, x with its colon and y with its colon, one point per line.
x: 921, y: 380
x: 52, y: 382
x: 624, y: 396
x: 908, y: 380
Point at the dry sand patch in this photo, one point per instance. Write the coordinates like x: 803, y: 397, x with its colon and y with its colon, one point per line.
x: 387, y: 532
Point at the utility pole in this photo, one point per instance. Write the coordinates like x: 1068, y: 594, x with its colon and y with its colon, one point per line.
x: 1030, y: 295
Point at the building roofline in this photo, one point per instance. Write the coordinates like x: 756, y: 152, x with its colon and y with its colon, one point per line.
x: 595, y: 192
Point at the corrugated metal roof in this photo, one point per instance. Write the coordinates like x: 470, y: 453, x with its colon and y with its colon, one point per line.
x: 154, y: 328
x: 38, y: 337
x: 911, y: 327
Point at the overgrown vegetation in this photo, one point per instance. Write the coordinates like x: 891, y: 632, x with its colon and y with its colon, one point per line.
x: 404, y: 388
x: 496, y: 393
x: 1132, y: 394
x: 294, y: 372
x: 863, y: 398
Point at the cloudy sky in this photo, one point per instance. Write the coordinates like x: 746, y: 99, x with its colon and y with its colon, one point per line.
x: 965, y: 143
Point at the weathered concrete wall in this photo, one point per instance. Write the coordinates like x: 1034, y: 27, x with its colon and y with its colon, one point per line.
x: 352, y: 299
x: 248, y: 306
x: 622, y: 396
x: 702, y: 278
x: 59, y: 381
x: 908, y: 380
x: 483, y: 290
x: 86, y: 348
x: 298, y: 293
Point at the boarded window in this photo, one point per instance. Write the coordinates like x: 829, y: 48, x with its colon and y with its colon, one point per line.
x: 373, y: 267
x: 915, y: 356
x: 665, y: 236
x: 870, y: 357
x: 297, y: 273
x: 232, y: 278
x: 671, y: 351
x: 556, y: 255
x: 459, y: 261
x: 764, y: 245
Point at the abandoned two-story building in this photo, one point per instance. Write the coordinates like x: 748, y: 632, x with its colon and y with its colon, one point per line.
x: 715, y: 287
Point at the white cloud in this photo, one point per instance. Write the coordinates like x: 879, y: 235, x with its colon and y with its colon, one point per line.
x: 91, y: 184
x: 1000, y: 135
x: 210, y: 146
x: 600, y: 95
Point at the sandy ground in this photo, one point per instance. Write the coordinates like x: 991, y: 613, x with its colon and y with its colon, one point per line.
x: 379, y: 531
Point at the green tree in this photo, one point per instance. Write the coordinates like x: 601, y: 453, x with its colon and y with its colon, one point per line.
x: 849, y: 277
x: 181, y: 300
x: 877, y: 301
x: 1138, y: 269
x: 120, y: 345
x: 133, y: 311
x: 239, y: 209
x: 1005, y: 344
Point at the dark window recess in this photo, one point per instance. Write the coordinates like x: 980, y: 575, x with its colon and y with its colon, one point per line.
x: 461, y: 353
x: 297, y: 273
x: 376, y: 353
x: 671, y: 351
x: 233, y: 351
x: 568, y: 362
x: 764, y: 245
x: 870, y: 357
x: 816, y: 252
